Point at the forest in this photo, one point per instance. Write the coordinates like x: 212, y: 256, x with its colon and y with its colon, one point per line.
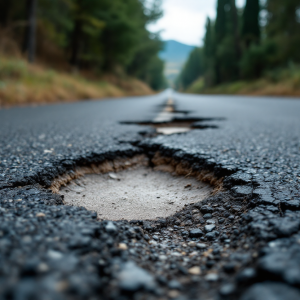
x: 262, y: 40
x: 85, y: 35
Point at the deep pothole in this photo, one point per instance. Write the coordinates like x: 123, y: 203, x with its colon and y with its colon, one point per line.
x: 136, y: 188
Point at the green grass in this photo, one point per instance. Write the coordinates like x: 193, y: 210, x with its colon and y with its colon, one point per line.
x: 281, y: 82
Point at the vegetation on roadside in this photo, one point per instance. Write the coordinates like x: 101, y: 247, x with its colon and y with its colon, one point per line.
x: 83, y: 37
x: 251, y: 51
x: 285, y: 82
x: 24, y: 83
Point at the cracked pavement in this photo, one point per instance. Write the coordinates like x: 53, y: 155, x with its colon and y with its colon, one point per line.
x: 242, y: 243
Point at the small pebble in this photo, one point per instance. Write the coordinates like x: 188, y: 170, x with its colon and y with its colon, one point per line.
x: 212, y: 277
x: 123, y: 246
x: 39, y: 215
x: 195, y: 270
x: 201, y: 246
x: 192, y: 244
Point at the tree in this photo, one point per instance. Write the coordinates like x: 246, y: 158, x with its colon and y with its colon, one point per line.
x: 5, y: 10
x: 87, y: 24
x: 250, y: 26
x: 209, y: 52
x: 223, y: 6
x: 258, y: 58
x: 283, y: 27
x: 155, y: 74
x: 105, y: 36
x: 226, y: 42
x: 193, y: 69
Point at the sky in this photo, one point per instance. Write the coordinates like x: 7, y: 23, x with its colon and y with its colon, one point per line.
x: 184, y: 20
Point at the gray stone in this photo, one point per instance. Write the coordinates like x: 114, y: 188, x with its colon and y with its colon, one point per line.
x: 194, y: 233
x: 271, y: 291
x: 111, y: 228
x: 209, y: 228
x: 227, y: 290
x: 201, y: 246
x: 132, y: 278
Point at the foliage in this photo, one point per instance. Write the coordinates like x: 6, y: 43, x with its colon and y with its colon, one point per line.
x: 106, y: 36
x: 154, y: 74
x: 277, y: 82
x: 240, y: 46
x: 193, y: 68
x: 258, y: 58
x: 250, y: 26
x: 284, y: 26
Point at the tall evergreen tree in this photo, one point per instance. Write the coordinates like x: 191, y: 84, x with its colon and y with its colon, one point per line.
x: 226, y: 42
x: 208, y: 39
x: 193, y: 69
x: 209, y: 54
x: 221, y: 20
x: 236, y: 35
x: 250, y: 26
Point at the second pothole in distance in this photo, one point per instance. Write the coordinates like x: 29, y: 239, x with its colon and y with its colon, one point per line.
x: 141, y: 193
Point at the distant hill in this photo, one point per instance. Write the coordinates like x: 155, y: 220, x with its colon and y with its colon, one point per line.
x: 175, y: 55
x: 175, y: 51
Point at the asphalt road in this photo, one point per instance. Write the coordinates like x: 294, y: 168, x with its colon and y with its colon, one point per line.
x: 52, y: 251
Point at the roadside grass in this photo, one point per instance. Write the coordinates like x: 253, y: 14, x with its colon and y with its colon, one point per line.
x: 22, y: 83
x: 283, y: 82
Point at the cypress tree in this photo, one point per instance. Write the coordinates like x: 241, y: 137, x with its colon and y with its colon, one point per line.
x: 208, y: 39
x: 235, y: 30
x: 221, y: 21
x: 193, y: 68
x: 226, y: 42
x: 251, y: 28
x: 209, y: 53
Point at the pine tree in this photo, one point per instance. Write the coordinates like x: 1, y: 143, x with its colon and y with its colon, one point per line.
x: 250, y: 27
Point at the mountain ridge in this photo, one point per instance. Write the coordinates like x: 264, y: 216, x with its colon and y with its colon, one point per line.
x: 175, y: 51
x: 175, y: 54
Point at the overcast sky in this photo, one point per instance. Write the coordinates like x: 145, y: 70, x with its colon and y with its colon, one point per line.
x: 184, y: 20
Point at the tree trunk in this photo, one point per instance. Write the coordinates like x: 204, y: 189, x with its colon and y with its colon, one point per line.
x: 5, y: 8
x: 75, y: 46
x: 30, y: 41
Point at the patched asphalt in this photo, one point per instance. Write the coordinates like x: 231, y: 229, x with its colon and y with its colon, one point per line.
x: 242, y: 243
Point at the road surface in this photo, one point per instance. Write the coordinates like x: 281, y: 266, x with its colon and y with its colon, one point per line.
x: 242, y: 243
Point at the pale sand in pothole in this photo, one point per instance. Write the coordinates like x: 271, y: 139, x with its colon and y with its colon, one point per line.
x: 172, y: 130
x: 135, y: 193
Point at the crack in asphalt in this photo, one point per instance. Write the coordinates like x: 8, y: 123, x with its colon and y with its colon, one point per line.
x: 237, y: 244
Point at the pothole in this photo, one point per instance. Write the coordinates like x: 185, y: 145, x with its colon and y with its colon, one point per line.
x: 180, y: 126
x: 171, y: 121
x: 140, y: 193
x: 136, y: 188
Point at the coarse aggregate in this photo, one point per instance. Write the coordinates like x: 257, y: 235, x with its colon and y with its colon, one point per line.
x: 241, y: 243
